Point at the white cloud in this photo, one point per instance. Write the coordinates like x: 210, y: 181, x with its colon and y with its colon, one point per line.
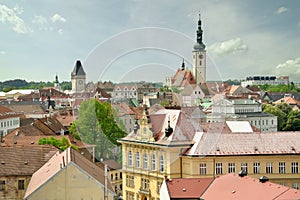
x: 282, y: 9
x: 290, y: 68
x: 228, y: 47
x: 60, y: 31
x: 10, y: 16
x: 2, y: 52
x: 39, y: 20
x: 19, y: 10
x: 58, y: 18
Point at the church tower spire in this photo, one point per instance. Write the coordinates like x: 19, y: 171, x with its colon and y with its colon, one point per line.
x: 199, y: 56
x: 199, y: 43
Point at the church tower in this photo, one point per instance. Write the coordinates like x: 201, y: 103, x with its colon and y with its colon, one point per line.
x: 199, y: 57
x: 56, y: 84
x: 78, y: 78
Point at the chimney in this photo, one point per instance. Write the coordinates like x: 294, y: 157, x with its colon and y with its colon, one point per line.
x: 242, y: 173
x: 169, y: 130
x: 263, y: 179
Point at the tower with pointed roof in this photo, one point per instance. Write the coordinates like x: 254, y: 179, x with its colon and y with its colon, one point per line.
x: 199, y: 57
x: 56, y: 83
x: 78, y: 78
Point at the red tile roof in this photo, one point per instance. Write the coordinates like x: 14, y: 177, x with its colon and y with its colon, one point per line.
x: 187, y: 188
x: 24, y: 160
x: 232, y: 186
x: 288, y: 100
x: 183, y: 128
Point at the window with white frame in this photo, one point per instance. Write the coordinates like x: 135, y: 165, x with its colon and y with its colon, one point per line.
x: 145, y: 184
x: 145, y: 163
x: 281, y: 168
x: 269, y: 168
x: 244, y: 167
x: 130, y: 158
x: 256, y: 168
x: 202, y: 168
x: 295, y: 168
x: 153, y: 162
x: 129, y: 181
x: 231, y: 167
x: 161, y: 164
x: 295, y: 186
x: 218, y: 168
x: 137, y: 159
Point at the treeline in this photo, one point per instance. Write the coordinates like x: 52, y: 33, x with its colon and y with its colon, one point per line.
x: 9, y: 85
x: 280, y: 88
x: 287, y: 118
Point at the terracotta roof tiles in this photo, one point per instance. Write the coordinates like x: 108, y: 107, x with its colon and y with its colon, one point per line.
x: 187, y: 188
x: 24, y: 160
x: 232, y: 186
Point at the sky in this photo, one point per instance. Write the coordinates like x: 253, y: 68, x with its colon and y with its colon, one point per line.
x: 139, y: 40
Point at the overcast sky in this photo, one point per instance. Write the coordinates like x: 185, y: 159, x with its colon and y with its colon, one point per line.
x: 147, y: 40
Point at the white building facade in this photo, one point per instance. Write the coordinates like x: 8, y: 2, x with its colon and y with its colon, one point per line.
x: 262, y: 80
x: 242, y: 110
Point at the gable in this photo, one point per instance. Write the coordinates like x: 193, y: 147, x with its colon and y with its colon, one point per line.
x: 71, y: 181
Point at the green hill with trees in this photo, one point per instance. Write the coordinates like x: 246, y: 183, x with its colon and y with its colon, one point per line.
x: 9, y: 85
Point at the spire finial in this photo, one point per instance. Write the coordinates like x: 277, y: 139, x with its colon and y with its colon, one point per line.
x: 183, y: 65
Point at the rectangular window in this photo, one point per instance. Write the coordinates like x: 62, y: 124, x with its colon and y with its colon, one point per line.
x: 244, y: 167
x: 161, y: 164
x: 231, y: 167
x: 145, y: 184
x: 21, y: 184
x: 295, y: 186
x: 145, y: 166
x: 153, y: 162
x: 295, y: 168
x: 256, y: 168
x: 137, y: 160
x: 2, y: 185
x: 129, y: 195
x: 218, y: 168
x: 129, y: 181
x: 281, y: 167
x: 130, y: 159
x: 202, y: 168
x: 269, y: 168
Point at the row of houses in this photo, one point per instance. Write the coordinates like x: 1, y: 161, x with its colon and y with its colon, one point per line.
x: 30, y: 169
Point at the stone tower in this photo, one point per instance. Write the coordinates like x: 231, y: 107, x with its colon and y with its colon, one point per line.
x: 78, y: 78
x: 199, y: 57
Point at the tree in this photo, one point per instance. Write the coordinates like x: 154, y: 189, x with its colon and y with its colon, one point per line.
x: 284, y: 107
x: 62, y: 144
x: 281, y: 116
x: 96, y: 125
x: 293, y: 121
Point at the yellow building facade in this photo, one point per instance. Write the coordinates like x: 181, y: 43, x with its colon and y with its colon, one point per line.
x: 149, y: 158
x: 280, y: 169
x: 153, y: 152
